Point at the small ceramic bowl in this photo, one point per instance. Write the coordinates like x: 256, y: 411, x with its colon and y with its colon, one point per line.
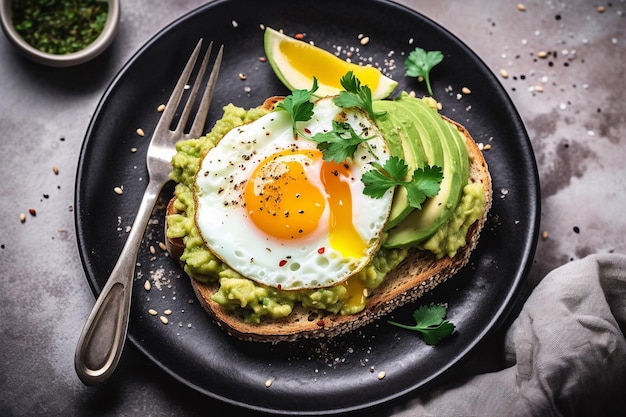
x: 61, y: 60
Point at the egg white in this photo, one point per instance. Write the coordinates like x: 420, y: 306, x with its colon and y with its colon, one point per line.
x: 289, y: 264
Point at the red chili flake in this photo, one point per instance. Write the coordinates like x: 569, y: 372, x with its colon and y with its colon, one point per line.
x: 279, y: 287
x: 262, y: 59
x: 321, y: 250
x: 299, y: 36
x: 283, y: 262
x: 307, y: 130
x: 321, y: 323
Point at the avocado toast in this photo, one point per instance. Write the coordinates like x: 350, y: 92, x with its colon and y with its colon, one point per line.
x: 421, y: 247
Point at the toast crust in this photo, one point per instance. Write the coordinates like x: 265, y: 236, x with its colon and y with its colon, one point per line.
x: 419, y: 273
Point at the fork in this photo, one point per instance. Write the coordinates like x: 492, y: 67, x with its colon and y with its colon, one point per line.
x: 102, y: 339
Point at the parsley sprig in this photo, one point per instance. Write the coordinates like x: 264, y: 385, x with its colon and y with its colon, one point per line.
x: 299, y: 106
x: 420, y: 62
x: 425, y: 182
x: 430, y: 322
x: 355, y: 95
x: 339, y: 143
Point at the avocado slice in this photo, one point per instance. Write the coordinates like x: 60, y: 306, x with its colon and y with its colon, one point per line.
x: 404, y: 142
x: 437, y: 134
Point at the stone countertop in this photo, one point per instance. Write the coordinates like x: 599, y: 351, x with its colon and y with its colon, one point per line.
x: 571, y: 101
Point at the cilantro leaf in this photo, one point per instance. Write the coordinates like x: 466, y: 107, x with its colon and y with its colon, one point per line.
x: 430, y: 322
x: 419, y: 63
x: 424, y: 183
x: 299, y: 105
x: 355, y: 94
x: 339, y: 143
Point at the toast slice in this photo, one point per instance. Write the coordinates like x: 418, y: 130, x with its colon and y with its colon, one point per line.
x: 419, y: 273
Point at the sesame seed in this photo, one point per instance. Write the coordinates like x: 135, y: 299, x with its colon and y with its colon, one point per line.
x: 147, y: 286
x: 268, y: 383
x: 365, y: 40
x: 22, y: 217
x: 55, y: 169
x: 164, y: 320
x: 161, y: 108
x: 242, y: 76
x: 539, y: 89
x: 152, y: 312
x: 504, y: 73
x: 118, y: 190
x: 544, y: 234
x: 133, y: 150
x: 466, y: 90
x: 381, y: 374
x: 542, y: 54
x: 163, y: 246
x: 167, y: 312
x: 140, y: 132
x: 600, y: 9
x: 521, y: 7
x: 152, y: 250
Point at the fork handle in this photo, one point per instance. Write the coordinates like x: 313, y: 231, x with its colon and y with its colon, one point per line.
x: 102, y: 339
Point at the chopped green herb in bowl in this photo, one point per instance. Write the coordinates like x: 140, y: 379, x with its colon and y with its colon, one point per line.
x: 60, y: 32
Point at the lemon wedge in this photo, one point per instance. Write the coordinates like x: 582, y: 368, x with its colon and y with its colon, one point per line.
x: 296, y: 62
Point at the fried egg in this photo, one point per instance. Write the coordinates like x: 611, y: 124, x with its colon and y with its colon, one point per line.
x: 271, y: 208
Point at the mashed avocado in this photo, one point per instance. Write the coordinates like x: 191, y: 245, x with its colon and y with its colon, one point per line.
x: 254, y: 301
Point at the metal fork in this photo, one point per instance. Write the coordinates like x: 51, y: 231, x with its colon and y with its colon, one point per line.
x: 102, y: 339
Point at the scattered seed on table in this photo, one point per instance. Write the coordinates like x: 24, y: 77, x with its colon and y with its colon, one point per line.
x: 133, y: 150
x: 600, y: 9
x: 152, y: 250
x: 161, y: 108
x: 466, y: 90
x: 504, y: 73
x: 118, y: 190
x: 140, y: 132
x: 147, y: 286
x: 152, y: 312
x: 521, y: 7
x: 262, y: 59
x: 542, y: 54
x: 164, y: 319
x: 381, y: 374
x: 539, y: 89
x: 22, y: 217
x: 242, y: 76
x: 487, y: 147
x: 55, y: 169
x: 544, y: 234
x: 162, y: 246
x: 365, y: 40
x: 268, y: 383
x: 167, y: 312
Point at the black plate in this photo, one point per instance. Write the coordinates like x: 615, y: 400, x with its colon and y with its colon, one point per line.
x: 314, y: 376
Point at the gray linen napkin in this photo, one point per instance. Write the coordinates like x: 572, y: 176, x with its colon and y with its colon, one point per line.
x: 565, y: 354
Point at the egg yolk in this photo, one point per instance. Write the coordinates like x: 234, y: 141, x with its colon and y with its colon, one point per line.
x: 282, y: 201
